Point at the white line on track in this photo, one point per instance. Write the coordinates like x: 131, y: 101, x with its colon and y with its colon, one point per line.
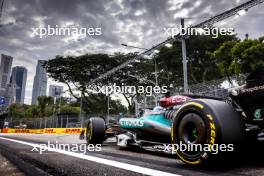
x: 125, y: 166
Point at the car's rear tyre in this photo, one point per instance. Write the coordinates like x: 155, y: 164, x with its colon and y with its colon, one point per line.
x: 205, y: 122
x: 95, y: 132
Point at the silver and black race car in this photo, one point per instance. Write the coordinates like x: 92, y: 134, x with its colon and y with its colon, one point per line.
x: 193, y: 120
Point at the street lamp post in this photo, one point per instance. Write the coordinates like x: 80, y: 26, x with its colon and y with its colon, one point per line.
x: 155, y: 65
x: 81, y: 107
x: 184, y: 61
x: 108, y: 109
x: 156, y: 80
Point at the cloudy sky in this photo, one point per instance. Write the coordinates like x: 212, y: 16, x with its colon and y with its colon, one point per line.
x: 136, y: 22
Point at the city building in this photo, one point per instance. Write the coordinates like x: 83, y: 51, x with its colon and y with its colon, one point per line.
x: 40, y: 82
x: 10, y: 94
x: 55, y: 90
x: 19, y: 79
x: 5, y: 70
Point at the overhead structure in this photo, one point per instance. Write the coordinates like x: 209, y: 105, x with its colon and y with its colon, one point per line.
x: 204, y: 24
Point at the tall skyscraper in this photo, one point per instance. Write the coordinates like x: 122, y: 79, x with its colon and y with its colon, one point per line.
x: 40, y: 82
x: 19, y: 79
x: 5, y: 70
x: 10, y: 94
x: 55, y: 90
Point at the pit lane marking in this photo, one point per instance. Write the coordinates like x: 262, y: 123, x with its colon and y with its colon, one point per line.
x: 120, y: 165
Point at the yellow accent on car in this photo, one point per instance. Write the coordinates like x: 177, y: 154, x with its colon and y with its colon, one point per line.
x: 190, y: 103
x: 210, y: 117
x: 212, y: 131
x: 189, y: 162
x: 195, y: 104
x: 91, y: 132
x: 172, y: 132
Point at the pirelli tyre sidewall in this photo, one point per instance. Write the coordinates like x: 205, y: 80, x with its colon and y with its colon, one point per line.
x: 95, y: 132
x: 223, y: 126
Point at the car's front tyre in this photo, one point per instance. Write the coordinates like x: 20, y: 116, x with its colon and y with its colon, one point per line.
x: 95, y: 131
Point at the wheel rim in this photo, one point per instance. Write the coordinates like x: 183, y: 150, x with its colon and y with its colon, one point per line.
x: 190, y: 133
x: 192, y: 130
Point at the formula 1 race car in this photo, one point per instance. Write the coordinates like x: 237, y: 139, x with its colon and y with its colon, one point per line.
x: 193, y: 119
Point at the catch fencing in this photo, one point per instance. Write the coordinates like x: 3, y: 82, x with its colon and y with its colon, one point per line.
x: 215, y: 88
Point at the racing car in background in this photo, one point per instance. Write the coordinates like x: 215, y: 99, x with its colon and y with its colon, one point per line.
x: 193, y: 119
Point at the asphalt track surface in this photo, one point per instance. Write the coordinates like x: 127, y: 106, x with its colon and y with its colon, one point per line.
x: 112, y: 160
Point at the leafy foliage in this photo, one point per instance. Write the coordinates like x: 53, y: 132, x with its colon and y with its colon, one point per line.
x: 208, y: 59
x: 235, y: 57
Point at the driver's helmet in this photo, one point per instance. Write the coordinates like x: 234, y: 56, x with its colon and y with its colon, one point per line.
x: 158, y: 108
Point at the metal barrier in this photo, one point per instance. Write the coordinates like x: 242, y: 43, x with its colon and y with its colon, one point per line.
x: 43, y: 131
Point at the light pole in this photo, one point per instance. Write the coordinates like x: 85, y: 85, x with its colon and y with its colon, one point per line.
x: 145, y: 99
x: 81, y: 107
x: 155, y: 62
x: 108, y: 109
x: 156, y: 80
x: 155, y: 66
x: 184, y: 61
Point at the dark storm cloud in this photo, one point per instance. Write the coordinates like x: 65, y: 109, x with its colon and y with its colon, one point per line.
x: 137, y: 22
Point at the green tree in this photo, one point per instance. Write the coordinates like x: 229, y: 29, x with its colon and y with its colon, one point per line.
x: 201, y: 66
x: 33, y: 111
x: 234, y: 57
x: 70, y: 109
x: 43, y: 102
x: 78, y: 71
x: 17, y: 110
x: 226, y: 63
x: 249, y: 54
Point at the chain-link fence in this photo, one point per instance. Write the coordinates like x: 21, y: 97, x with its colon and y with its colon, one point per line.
x: 59, y: 121
x: 33, y: 123
x: 67, y: 121
x: 215, y: 88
